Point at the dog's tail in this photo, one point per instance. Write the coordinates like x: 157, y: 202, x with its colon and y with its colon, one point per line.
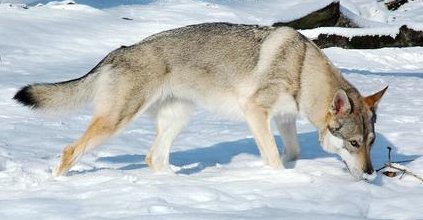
x: 61, y: 96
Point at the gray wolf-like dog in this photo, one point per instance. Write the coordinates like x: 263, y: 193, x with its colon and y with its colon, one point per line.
x: 248, y: 72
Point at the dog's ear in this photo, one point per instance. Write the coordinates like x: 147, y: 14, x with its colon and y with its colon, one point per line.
x: 340, y: 103
x: 372, y: 100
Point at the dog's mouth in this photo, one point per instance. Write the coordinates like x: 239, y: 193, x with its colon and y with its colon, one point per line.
x: 354, y: 174
x: 346, y: 165
x: 358, y: 175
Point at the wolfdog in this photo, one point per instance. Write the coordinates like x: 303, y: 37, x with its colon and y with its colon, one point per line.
x: 251, y: 72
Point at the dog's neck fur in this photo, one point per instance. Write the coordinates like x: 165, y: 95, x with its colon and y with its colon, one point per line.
x: 314, y: 102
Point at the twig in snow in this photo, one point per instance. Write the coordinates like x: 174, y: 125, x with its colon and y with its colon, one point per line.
x: 393, y: 165
x: 404, y: 171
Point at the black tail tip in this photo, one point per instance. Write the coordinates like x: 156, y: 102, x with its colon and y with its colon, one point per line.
x: 25, y: 97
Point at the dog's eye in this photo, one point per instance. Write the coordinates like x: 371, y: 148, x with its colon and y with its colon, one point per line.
x: 354, y: 144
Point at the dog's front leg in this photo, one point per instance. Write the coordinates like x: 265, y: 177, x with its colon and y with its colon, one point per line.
x: 288, y: 131
x: 258, y: 119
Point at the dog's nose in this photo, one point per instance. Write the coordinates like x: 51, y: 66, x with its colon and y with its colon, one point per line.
x: 369, y: 171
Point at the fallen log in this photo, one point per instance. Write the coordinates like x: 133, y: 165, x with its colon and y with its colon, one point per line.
x: 395, y: 4
x: 329, y: 16
x: 406, y: 37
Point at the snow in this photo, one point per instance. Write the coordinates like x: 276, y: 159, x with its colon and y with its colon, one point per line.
x: 385, y: 60
x: 377, y: 12
x: 348, y: 32
x: 219, y: 174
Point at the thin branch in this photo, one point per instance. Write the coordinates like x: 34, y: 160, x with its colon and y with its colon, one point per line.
x: 391, y: 164
x: 404, y: 171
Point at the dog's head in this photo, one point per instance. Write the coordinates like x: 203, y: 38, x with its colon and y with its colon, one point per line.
x: 350, y: 130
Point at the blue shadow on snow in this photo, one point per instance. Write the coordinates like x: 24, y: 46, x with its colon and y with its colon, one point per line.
x: 222, y: 153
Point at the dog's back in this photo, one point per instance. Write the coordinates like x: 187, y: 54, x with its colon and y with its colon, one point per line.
x: 218, y: 64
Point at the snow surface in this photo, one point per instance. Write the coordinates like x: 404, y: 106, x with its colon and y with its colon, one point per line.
x: 219, y: 174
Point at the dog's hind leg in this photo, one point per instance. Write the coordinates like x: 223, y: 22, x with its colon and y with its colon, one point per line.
x: 288, y: 130
x: 172, y: 116
x: 99, y: 129
x: 107, y: 121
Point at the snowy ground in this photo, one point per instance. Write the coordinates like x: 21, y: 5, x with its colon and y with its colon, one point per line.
x: 219, y: 173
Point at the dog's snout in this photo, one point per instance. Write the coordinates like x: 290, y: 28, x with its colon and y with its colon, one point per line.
x: 369, y: 169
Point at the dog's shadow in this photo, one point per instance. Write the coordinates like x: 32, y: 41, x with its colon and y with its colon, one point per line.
x: 195, y: 160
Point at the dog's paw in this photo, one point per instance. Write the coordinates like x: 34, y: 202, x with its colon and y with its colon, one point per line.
x: 289, y: 161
